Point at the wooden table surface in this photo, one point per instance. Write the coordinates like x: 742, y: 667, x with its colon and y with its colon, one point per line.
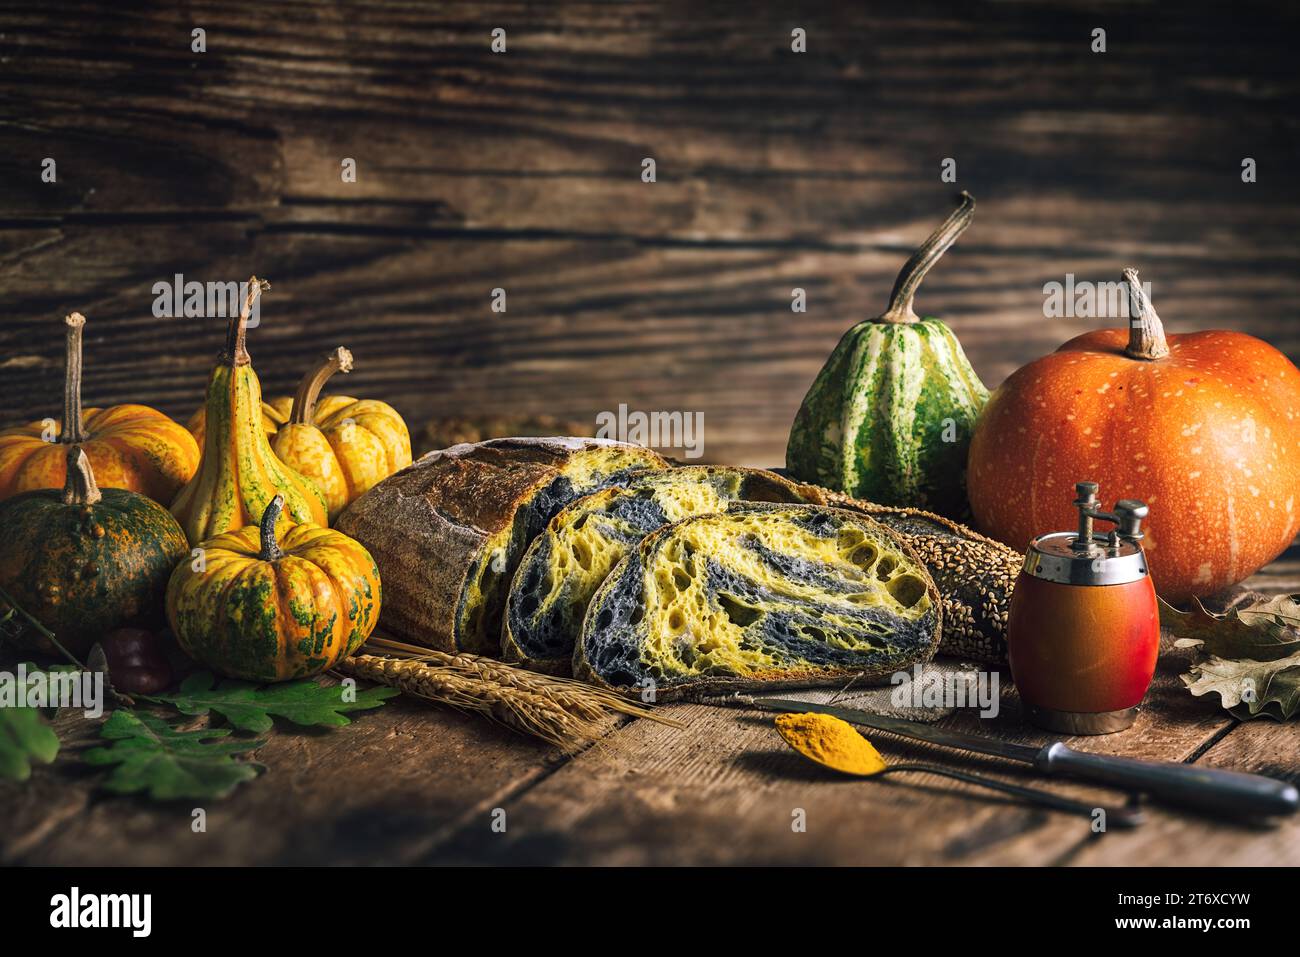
x: 414, y: 784
x: 523, y: 171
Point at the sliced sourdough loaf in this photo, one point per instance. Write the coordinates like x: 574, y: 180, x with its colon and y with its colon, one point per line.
x: 565, y: 565
x: 760, y: 596
x: 448, y: 530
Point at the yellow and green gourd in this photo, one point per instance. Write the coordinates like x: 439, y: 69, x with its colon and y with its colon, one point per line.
x: 269, y: 607
x: 238, y: 473
x: 346, y: 446
x: 889, y: 417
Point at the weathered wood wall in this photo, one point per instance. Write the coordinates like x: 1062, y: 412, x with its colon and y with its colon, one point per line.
x: 522, y: 170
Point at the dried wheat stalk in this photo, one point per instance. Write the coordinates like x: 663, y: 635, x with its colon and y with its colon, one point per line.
x: 560, y: 711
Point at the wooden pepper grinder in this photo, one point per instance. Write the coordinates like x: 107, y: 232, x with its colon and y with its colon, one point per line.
x: 1084, y: 627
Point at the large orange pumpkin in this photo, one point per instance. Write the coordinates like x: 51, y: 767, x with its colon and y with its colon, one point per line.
x: 129, y: 446
x: 1203, y: 427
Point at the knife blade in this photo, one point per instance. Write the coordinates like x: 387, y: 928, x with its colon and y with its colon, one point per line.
x: 1229, y: 793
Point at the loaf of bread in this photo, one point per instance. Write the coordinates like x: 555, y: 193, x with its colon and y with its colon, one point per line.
x: 760, y: 596
x: 448, y: 530
x: 565, y: 565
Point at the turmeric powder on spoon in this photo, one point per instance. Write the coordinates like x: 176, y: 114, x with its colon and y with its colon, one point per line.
x: 830, y: 741
x: 833, y: 743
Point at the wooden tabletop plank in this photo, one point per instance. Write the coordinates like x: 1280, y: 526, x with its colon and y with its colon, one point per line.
x: 724, y: 792
x: 383, y: 790
x: 415, y: 783
x: 1262, y: 746
x: 725, y: 789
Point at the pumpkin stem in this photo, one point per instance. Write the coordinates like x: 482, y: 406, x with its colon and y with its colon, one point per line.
x: 72, y: 425
x: 926, y: 255
x: 80, y: 488
x: 270, y: 550
x: 304, y: 401
x: 236, y: 351
x: 1146, y: 333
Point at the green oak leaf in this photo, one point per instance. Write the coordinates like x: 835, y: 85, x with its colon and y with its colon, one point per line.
x: 24, y: 737
x: 250, y: 707
x: 150, y: 755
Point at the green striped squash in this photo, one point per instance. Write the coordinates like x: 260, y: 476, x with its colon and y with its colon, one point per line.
x: 889, y: 417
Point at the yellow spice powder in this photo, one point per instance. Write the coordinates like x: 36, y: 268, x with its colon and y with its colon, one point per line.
x: 830, y: 741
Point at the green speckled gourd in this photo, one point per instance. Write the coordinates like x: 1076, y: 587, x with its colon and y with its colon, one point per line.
x: 83, y: 561
x: 890, y: 415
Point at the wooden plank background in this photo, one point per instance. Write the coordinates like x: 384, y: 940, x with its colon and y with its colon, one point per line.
x: 522, y: 171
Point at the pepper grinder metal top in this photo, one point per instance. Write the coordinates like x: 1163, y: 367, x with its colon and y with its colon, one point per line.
x: 1087, y: 557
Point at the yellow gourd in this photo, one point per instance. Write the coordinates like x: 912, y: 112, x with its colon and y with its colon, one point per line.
x: 345, y: 445
x: 272, y: 419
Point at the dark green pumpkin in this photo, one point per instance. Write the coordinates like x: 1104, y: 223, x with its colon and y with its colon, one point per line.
x: 889, y: 417
x: 82, y: 561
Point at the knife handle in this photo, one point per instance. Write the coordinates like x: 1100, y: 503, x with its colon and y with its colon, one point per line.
x: 1206, y: 789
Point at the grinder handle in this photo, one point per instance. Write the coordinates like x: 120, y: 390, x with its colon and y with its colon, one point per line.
x: 1230, y: 793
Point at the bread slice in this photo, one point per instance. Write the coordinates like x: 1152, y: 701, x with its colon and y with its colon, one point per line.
x: 760, y: 596
x: 448, y: 530
x: 565, y: 565
x: 975, y: 575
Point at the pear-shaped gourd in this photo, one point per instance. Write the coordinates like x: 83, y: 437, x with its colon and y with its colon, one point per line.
x: 889, y: 417
x: 238, y: 474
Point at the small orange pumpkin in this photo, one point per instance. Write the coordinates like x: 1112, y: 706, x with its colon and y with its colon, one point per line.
x: 131, y: 447
x: 1203, y: 427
